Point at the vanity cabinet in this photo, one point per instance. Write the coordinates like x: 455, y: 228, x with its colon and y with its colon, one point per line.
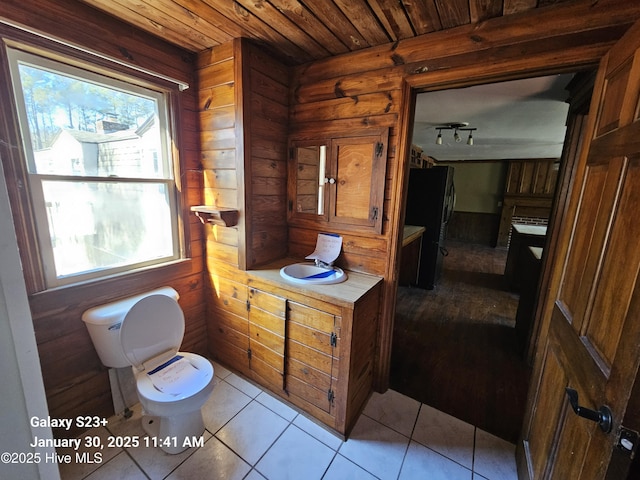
x: 247, y: 331
x: 338, y: 182
x: 313, y: 346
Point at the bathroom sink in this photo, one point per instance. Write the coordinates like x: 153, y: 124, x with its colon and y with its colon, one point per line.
x: 310, y: 274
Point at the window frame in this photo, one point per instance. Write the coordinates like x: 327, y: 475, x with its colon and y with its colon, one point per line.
x: 40, y: 250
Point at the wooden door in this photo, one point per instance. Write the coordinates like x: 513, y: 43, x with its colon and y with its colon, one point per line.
x: 312, y: 363
x: 592, y: 320
x: 356, y: 186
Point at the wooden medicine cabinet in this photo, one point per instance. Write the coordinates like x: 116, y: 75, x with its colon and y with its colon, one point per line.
x: 338, y: 182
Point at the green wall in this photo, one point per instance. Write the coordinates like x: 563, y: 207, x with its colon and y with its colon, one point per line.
x: 479, y: 185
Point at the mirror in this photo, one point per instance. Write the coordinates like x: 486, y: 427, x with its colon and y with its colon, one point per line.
x: 310, y: 178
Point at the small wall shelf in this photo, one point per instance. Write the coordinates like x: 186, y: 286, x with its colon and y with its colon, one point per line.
x: 225, y: 217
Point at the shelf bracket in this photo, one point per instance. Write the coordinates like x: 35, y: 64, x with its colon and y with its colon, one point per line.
x: 225, y: 217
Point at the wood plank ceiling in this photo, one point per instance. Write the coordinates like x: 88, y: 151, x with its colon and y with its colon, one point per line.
x: 301, y: 31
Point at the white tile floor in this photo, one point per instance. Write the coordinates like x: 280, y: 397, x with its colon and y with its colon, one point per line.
x: 254, y: 436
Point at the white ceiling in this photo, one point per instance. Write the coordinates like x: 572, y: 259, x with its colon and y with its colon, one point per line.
x: 516, y: 119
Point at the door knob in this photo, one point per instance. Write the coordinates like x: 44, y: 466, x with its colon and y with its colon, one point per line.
x: 602, y: 417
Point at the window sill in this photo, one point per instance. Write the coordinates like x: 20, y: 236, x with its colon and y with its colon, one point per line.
x: 105, y: 289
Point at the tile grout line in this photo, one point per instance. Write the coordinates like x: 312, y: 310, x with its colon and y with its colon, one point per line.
x: 413, y: 429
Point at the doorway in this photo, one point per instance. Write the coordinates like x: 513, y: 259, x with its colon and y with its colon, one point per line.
x: 455, y: 347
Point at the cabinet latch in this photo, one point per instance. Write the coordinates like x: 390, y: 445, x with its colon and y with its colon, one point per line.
x: 334, y: 339
x: 379, y: 148
x: 330, y: 396
x: 374, y: 213
x: 249, y: 353
x: 628, y: 441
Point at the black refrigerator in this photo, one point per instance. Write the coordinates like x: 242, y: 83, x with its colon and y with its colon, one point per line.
x: 430, y: 202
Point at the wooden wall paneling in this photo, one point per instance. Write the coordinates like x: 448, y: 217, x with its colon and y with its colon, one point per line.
x: 76, y: 382
x: 364, y: 254
x: 497, y: 49
x: 348, y: 107
x: 91, y: 396
x: 217, y: 97
x: 474, y: 227
x: 266, y: 83
x: 529, y: 189
x: 243, y: 134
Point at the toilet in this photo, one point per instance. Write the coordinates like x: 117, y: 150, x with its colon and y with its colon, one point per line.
x: 145, y: 331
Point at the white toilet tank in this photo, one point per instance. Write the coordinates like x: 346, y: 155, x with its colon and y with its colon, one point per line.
x: 104, y: 322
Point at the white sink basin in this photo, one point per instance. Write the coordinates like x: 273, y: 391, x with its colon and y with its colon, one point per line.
x: 309, y: 274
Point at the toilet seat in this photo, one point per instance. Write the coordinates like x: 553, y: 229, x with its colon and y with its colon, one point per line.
x: 152, y: 331
x: 149, y: 391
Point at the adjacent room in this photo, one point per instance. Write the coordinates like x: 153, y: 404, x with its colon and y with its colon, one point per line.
x: 484, y: 159
x: 223, y: 252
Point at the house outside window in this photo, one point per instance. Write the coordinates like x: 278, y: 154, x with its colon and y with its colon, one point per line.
x: 100, y: 172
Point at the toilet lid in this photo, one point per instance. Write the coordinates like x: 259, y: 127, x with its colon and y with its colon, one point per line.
x: 154, y: 326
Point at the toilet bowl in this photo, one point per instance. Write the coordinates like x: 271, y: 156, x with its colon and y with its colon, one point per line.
x: 145, y: 331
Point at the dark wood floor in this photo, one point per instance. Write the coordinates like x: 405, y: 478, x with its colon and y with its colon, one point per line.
x: 454, y: 347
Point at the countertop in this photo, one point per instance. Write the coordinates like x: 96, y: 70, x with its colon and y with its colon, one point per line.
x: 530, y: 229
x: 347, y: 292
x: 410, y: 233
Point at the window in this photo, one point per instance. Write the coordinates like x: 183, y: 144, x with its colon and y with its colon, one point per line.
x: 100, y: 174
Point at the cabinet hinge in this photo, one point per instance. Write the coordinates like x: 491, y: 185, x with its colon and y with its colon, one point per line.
x: 291, y: 205
x: 379, y: 147
x: 334, y: 339
x: 248, y: 305
x: 330, y: 396
x: 249, y: 353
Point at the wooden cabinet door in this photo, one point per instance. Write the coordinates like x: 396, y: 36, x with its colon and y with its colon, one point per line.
x: 338, y: 182
x: 356, y: 183
x: 267, y: 315
x: 312, y: 363
x: 591, y: 344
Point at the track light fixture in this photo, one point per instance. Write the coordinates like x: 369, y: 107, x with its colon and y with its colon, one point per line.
x: 456, y: 127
